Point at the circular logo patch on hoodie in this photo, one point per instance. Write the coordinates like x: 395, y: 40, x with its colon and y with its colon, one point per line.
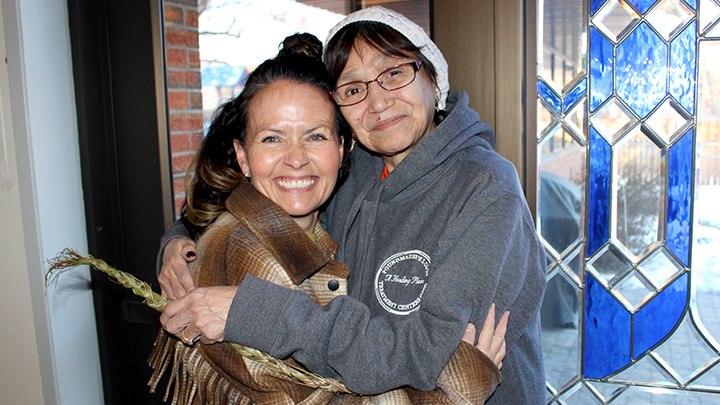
x: 401, y: 280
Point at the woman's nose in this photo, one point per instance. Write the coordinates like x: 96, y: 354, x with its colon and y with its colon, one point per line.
x: 295, y: 156
x: 378, y: 98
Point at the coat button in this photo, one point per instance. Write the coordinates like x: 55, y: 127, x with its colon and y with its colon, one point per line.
x: 333, y: 285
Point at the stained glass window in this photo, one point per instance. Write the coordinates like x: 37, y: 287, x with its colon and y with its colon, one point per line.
x: 628, y: 186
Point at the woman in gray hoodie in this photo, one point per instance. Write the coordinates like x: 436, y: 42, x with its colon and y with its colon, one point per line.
x: 431, y: 221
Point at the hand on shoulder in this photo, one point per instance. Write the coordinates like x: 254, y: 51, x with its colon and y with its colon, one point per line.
x: 175, y: 278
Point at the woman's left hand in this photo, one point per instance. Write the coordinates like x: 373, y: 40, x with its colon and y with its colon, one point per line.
x: 201, y: 314
x: 492, y: 338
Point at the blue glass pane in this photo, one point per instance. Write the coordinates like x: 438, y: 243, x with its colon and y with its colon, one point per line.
x: 596, y: 4
x: 601, y: 69
x: 575, y: 95
x: 642, y: 70
x: 642, y: 5
x: 679, y: 197
x: 599, y: 193
x: 607, y: 332
x: 549, y: 95
x: 658, y: 318
x: 682, y: 68
x: 691, y: 3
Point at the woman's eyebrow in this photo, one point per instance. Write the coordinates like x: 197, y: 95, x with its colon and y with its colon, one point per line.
x: 268, y: 129
x: 348, y: 77
x: 316, y: 127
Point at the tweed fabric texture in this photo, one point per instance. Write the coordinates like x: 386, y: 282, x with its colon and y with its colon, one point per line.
x: 256, y: 237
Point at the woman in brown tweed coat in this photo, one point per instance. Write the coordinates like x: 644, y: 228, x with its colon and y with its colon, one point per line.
x: 286, y: 137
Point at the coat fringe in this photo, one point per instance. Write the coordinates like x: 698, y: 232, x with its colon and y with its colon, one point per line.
x: 192, y: 379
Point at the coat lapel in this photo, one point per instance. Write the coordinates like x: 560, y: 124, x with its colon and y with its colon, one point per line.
x: 289, y: 245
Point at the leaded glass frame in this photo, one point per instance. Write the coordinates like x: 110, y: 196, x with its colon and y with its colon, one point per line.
x: 628, y: 144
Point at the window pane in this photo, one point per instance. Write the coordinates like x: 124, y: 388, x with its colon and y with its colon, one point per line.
x: 650, y: 296
x: 561, y: 36
x: 706, y: 224
x: 638, y: 191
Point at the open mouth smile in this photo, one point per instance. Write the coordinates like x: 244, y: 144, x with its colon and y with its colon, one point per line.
x: 296, y: 184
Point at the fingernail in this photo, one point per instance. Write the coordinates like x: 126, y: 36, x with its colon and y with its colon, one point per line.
x: 190, y: 254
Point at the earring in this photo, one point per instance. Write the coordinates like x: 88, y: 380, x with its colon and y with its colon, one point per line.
x: 247, y: 176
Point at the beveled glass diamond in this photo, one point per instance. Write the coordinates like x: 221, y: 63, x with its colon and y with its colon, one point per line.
x: 573, y: 261
x: 609, y: 265
x: 659, y: 267
x: 575, y: 120
x: 613, y: 120
x: 547, y: 118
x: 632, y: 291
x: 669, y: 16
x: 709, y: 13
x: 615, y: 18
x: 667, y: 122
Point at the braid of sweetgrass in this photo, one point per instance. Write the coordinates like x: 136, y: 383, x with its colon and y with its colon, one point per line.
x: 69, y: 259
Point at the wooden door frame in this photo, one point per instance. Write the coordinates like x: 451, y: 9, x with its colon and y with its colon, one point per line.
x: 491, y: 53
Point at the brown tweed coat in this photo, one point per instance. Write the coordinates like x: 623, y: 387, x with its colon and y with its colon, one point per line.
x: 257, y: 237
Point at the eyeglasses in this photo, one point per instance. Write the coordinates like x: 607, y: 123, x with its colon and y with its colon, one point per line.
x: 394, y: 78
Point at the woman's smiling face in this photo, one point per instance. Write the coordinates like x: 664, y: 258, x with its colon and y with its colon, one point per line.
x: 390, y: 123
x: 292, y: 150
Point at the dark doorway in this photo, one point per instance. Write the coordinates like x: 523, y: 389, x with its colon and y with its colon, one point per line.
x: 120, y: 143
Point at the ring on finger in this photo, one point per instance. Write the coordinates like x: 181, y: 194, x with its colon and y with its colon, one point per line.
x: 185, y: 340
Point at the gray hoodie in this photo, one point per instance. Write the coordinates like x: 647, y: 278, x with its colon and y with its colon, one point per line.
x: 430, y: 247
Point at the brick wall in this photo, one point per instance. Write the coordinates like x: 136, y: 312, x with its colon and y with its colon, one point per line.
x: 184, y: 88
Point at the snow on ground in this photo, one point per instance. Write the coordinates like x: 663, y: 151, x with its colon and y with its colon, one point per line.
x: 706, y: 239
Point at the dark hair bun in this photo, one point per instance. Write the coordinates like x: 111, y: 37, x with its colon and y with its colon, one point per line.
x: 306, y: 44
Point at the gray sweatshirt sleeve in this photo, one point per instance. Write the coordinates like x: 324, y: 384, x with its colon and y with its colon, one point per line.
x: 339, y: 340
x: 176, y: 230
x: 373, y: 354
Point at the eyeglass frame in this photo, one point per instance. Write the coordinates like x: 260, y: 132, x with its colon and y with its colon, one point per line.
x: 416, y: 67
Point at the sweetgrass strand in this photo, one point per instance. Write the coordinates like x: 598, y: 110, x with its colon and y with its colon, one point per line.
x: 69, y: 259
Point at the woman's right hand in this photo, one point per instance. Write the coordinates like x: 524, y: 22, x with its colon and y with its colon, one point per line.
x: 492, y: 338
x: 175, y: 278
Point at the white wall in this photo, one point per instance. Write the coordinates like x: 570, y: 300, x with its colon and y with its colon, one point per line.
x: 49, y: 342
x: 20, y: 379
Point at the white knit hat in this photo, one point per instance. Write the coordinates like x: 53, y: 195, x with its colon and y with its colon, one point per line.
x: 412, y: 32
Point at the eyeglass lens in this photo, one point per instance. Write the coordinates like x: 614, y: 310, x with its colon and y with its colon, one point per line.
x: 390, y: 79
